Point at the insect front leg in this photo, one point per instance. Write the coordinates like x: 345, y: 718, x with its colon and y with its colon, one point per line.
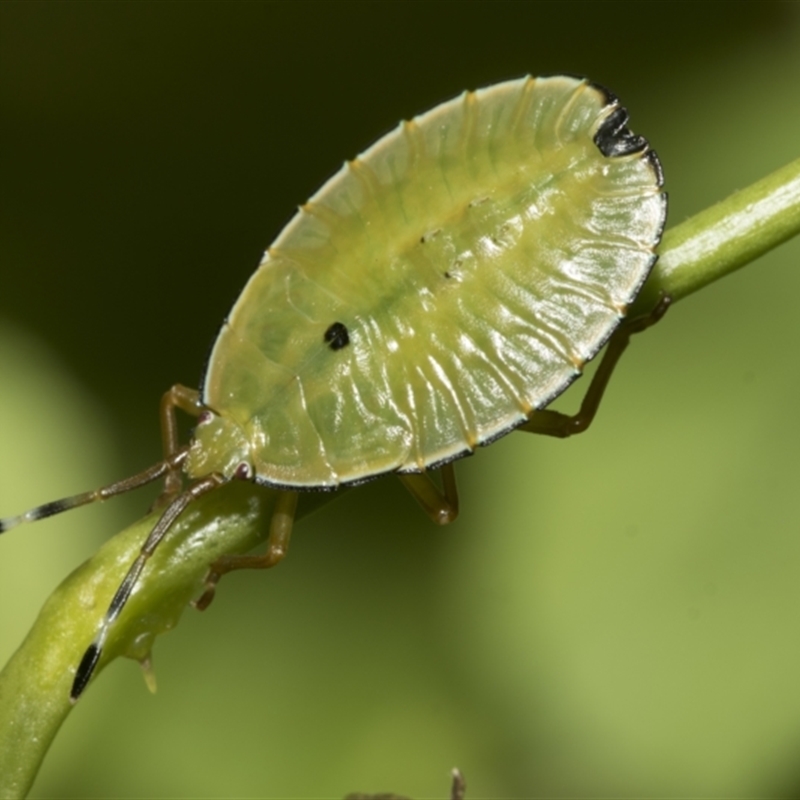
x: 441, y: 505
x: 280, y: 531
x: 187, y: 400
x: 554, y: 423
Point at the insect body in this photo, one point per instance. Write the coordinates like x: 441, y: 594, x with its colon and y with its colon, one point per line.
x: 436, y: 293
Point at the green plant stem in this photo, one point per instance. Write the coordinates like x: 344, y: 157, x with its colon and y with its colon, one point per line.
x: 35, y: 684
x: 725, y: 237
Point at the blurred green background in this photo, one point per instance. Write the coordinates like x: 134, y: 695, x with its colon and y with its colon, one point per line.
x: 615, y: 615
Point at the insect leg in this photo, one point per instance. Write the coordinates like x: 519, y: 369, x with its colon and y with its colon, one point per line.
x: 92, y: 655
x: 554, y: 423
x: 280, y: 531
x: 187, y: 400
x: 441, y: 505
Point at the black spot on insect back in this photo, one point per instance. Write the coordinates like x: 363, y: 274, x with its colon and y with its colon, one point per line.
x: 614, y: 138
x: 336, y: 336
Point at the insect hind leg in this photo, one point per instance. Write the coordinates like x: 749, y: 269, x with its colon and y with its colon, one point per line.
x: 554, y: 423
x: 441, y: 505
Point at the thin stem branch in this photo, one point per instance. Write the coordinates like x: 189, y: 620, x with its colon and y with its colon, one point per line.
x: 726, y: 236
x: 35, y: 684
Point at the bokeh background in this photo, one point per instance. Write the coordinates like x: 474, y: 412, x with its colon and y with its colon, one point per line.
x: 615, y: 615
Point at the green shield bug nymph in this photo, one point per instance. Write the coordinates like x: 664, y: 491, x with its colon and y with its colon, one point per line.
x: 438, y: 292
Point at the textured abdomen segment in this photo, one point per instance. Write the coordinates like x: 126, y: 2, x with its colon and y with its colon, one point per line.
x: 469, y: 263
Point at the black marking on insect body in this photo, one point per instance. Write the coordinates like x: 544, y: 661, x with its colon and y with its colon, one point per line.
x: 614, y: 138
x: 337, y: 336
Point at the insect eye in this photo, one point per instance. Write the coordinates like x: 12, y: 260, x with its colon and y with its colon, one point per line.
x: 204, y: 418
x: 244, y: 472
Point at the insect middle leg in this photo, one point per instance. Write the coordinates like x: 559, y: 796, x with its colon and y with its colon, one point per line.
x: 441, y: 505
x: 280, y: 531
x: 554, y: 423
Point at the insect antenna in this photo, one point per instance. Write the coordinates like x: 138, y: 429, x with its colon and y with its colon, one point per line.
x: 160, y: 470
x: 92, y: 655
